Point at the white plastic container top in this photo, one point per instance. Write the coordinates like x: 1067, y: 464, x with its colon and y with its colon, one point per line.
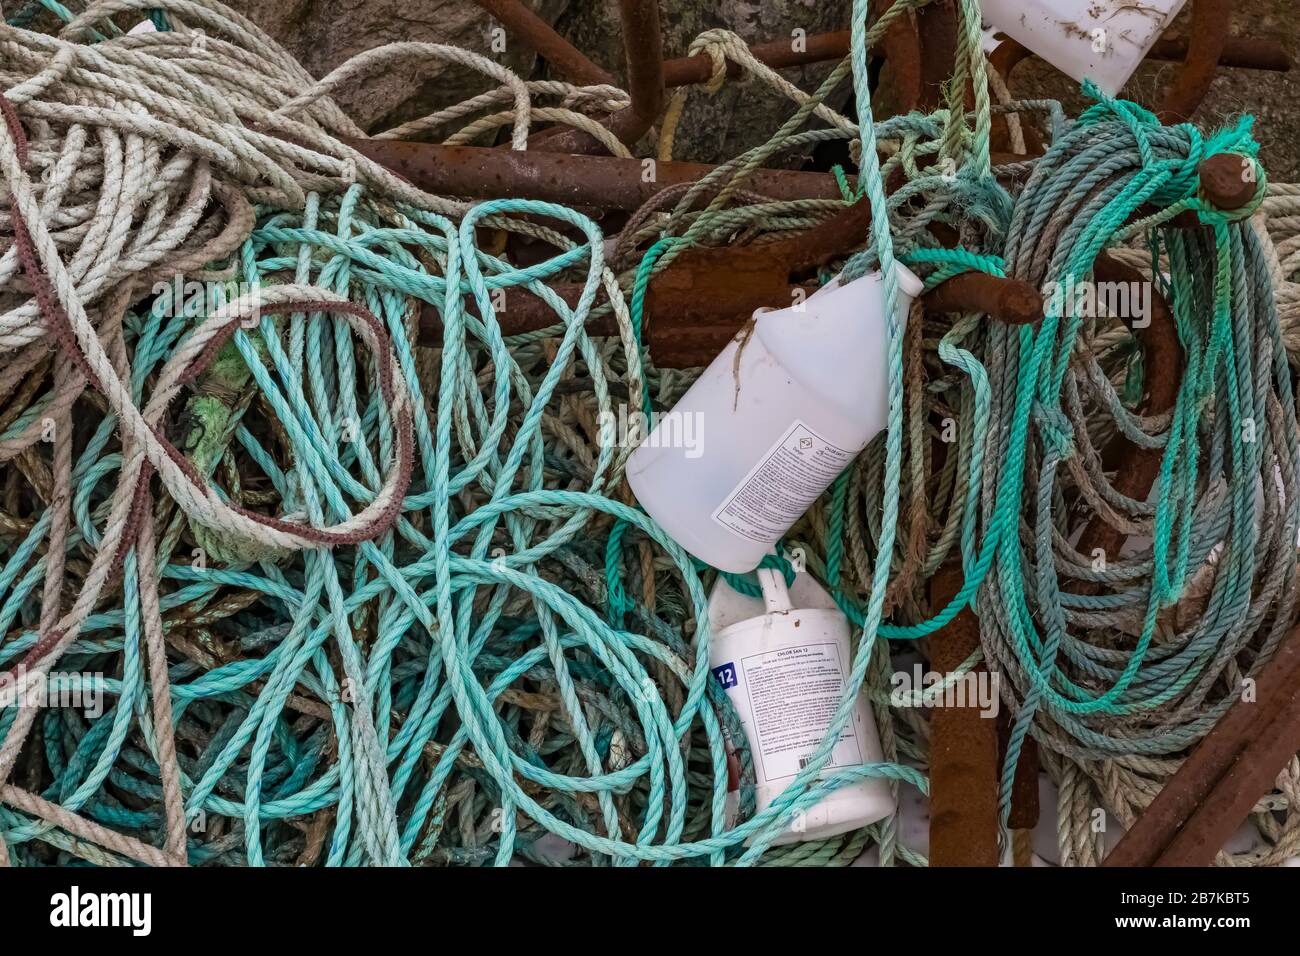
x: 1100, y: 40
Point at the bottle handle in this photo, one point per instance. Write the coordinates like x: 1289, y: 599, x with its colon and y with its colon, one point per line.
x: 776, y: 597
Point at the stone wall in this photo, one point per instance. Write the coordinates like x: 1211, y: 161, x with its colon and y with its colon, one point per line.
x: 323, y: 33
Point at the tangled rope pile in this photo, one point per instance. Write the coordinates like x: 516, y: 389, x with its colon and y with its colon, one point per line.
x: 346, y: 599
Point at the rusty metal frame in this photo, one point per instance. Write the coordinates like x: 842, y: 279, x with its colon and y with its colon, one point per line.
x: 707, y: 294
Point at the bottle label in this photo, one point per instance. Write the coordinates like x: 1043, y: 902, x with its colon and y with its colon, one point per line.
x: 792, y: 695
x: 798, y: 467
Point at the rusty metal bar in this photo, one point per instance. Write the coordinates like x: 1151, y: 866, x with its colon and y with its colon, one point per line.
x: 1249, y: 53
x: 603, y: 181
x: 643, y: 40
x: 706, y: 295
x: 1210, y: 26
x: 702, y: 299
x: 1213, y: 791
x: 1163, y: 355
x: 692, y: 309
x: 1246, y: 53
x: 546, y: 43
x: 779, y: 55
x: 900, y: 51
x: 1010, y: 301
x: 606, y: 182
x: 1222, y: 184
x: 963, y: 749
x: 936, y: 32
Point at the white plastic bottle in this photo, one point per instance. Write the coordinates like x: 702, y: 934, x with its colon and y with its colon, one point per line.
x: 775, y: 418
x: 784, y: 669
x: 1100, y: 40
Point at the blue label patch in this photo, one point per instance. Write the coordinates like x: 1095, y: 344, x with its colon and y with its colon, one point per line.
x: 726, y: 674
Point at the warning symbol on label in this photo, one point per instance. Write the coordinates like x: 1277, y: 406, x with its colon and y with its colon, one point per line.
x: 805, y: 443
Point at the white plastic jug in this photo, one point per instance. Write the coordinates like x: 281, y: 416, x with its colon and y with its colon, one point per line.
x: 784, y: 669
x: 1100, y: 40
x: 775, y: 418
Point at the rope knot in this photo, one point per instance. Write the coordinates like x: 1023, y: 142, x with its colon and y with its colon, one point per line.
x: 1138, y: 119
x: 716, y: 44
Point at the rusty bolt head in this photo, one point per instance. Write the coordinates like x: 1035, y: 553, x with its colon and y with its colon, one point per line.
x: 1228, y: 180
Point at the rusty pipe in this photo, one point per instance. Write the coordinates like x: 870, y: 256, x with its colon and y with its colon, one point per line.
x: 900, y: 51
x: 606, y: 182
x: 696, y: 304
x: 1008, y: 300
x: 693, y: 309
x: 546, y: 43
x: 1246, y: 53
x: 1223, y: 180
x: 1208, y: 45
x: 1223, y: 185
x: 779, y: 55
x: 936, y: 37
x: 1208, y: 34
x: 963, y: 748
x: 643, y: 40
x: 1164, y: 365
